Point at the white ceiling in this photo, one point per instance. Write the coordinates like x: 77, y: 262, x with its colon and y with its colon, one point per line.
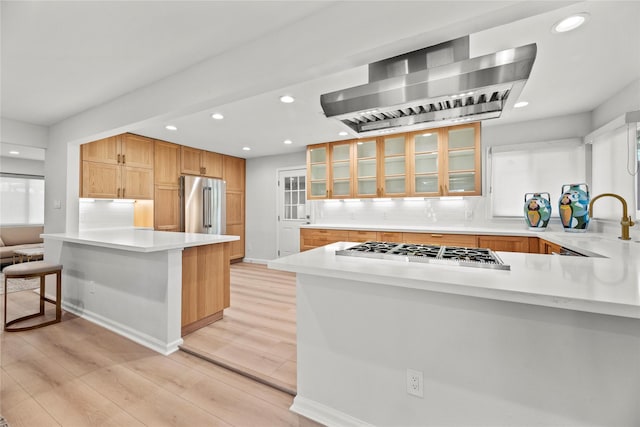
x: 62, y: 58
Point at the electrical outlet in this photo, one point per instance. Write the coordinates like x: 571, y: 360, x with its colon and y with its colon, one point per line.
x: 92, y: 287
x: 414, y: 383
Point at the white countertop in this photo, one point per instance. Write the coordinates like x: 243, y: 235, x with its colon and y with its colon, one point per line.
x: 139, y: 239
x: 607, y: 284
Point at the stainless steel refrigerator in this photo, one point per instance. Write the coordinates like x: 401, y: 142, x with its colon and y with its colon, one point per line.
x: 203, y: 203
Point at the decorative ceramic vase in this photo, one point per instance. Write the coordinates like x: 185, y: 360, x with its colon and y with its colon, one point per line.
x: 573, y: 207
x: 537, y: 210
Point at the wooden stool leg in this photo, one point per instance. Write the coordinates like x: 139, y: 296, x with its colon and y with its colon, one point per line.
x: 42, y: 276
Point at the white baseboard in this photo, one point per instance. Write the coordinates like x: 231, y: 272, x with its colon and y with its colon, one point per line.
x: 324, y: 414
x: 120, y: 329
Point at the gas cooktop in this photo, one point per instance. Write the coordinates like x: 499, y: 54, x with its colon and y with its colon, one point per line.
x: 447, y: 255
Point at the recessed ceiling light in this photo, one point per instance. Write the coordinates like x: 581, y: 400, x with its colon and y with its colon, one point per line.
x: 246, y: 148
x: 520, y: 104
x: 570, y: 23
x: 343, y: 133
x: 288, y: 141
x: 217, y: 116
x: 287, y: 99
x: 170, y: 127
x: 427, y: 134
x: 14, y: 152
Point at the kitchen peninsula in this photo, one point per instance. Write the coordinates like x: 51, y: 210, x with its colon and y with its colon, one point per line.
x: 149, y: 286
x: 555, y: 340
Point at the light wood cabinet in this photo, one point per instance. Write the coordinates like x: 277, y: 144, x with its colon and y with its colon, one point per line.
x: 117, y: 167
x: 362, y: 236
x: 234, y: 171
x: 318, y: 171
x: 313, y: 237
x: 430, y: 163
x: 200, y: 162
x: 166, y: 163
x: 205, y: 285
x: 546, y: 247
x: 465, y: 240
x: 509, y: 243
x: 389, y: 236
x: 166, y: 208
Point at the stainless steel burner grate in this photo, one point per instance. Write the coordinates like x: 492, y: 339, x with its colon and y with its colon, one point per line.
x: 447, y: 255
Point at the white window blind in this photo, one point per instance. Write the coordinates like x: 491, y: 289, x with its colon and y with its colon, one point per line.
x: 614, y: 170
x: 533, y: 168
x: 21, y: 199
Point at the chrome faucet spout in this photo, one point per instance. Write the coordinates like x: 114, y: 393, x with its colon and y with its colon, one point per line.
x: 626, y: 221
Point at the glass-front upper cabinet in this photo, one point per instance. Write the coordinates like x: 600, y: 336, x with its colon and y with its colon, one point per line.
x: 341, y: 170
x: 394, y: 166
x: 318, y: 171
x: 425, y: 152
x: 463, y: 160
x: 366, y: 170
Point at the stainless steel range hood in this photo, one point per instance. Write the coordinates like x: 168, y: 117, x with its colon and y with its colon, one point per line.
x: 432, y: 87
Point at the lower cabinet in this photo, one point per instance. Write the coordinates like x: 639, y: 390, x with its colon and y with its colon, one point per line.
x: 313, y: 237
x: 237, y: 246
x: 509, y: 243
x: 205, y: 285
x: 545, y: 247
x: 466, y: 240
x: 167, y: 208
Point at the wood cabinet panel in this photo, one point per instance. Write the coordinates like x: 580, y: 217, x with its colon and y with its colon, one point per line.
x: 546, y: 247
x: 466, y: 240
x: 389, y: 236
x: 506, y: 243
x: 234, y: 173
x: 100, y: 180
x: 211, y: 164
x: 166, y: 163
x: 166, y: 208
x: 312, y: 237
x: 137, y: 151
x: 190, y: 160
x: 237, y: 247
x: 104, y: 150
x: 235, y: 208
x: 137, y: 183
x: 361, y: 236
x: 205, y: 284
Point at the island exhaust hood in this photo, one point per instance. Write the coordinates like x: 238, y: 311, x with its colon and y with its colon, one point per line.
x: 432, y: 87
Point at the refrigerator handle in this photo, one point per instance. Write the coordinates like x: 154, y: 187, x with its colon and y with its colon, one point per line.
x: 206, y: 207
x: 182, y: 207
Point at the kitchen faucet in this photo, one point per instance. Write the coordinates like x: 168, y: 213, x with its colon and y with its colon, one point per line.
x: 626, y: 221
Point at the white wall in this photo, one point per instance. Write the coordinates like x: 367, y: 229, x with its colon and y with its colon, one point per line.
x: 261, y: 209
x: 21, y: 133
x: 21, y: 166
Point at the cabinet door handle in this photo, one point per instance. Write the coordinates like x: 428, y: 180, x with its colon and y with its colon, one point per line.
x: 327, y: 193
x: 118, y: 158
x: 118, y: 193
x: 123, y: 161
x: 123, y: 193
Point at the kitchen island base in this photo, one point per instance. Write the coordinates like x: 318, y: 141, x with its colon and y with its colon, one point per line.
x: 484, y: 361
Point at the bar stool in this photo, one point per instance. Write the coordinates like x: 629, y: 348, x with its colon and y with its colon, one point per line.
x: 29, y: 270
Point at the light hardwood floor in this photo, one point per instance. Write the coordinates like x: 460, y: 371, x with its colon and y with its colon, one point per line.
x: 258, y: 332
x: 78, y: 374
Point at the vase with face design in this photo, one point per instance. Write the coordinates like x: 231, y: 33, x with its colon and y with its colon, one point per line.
x: 537, y: 210
x: 573, y: 207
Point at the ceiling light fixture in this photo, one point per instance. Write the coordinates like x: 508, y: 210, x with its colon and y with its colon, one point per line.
x: 520, y: 104
x: 170, y: 127
x: 570, y: 23
x: 288, y: 141
x: 217, y: 116
x: 246, y: 148
x: 287, y: 99
x: 14, y: 152
x: 343, y: 133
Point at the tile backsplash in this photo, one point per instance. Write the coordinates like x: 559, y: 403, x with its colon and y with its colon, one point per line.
x: 98, y: 213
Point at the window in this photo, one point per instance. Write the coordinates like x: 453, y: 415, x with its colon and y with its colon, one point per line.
x: 294, y: 197
x: 533, y: 168
x: 21, y: 199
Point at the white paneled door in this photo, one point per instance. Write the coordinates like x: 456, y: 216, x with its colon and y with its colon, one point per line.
x: 292, y: 209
